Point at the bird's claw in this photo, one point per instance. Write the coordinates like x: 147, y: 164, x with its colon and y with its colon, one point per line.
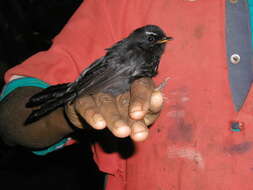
x: 162, y: 84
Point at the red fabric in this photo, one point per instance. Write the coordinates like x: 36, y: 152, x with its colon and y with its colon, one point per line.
x: 191, y: 146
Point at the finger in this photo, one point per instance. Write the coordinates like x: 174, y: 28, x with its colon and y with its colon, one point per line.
x: 156, y: 101
x: 122, y: 102
x: 150, y: 118
x: 72, y: 116
x: 139, y: 130
x: 141, y: 91
x: 108, y: 108
x: 88, y: 110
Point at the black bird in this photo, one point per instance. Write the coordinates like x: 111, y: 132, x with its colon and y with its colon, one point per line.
x: 136, y: 56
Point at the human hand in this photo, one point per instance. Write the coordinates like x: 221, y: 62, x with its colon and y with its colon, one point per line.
x: 128, y: 114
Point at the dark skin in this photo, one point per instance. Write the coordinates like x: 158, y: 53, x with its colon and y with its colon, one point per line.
x: 128, y: 114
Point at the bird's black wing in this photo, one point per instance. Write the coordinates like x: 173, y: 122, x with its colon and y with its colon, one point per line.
x: 110, y: 72
x: 114, y: 73
x: 102, y: 74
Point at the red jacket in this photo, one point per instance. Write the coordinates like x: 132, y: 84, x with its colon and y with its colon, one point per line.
x: 191, y: 146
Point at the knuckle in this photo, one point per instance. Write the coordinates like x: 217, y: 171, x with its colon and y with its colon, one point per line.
x: 139, y: 98
x: 104, y: 98
x: 81, y: 101
x: 88, y: 112
x: 115, y: 117
x: 145, y: 82
x: 123, y: 99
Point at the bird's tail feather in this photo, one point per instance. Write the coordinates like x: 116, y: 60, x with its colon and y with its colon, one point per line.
x: 48, y: 100
x: 47, y: 94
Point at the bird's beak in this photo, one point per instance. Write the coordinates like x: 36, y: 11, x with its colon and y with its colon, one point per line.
x: 164, y: 40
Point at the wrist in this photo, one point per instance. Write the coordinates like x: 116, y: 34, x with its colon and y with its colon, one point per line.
x: 60, y: 121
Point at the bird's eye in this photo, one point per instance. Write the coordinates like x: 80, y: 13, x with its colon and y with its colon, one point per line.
x: 151, y: 38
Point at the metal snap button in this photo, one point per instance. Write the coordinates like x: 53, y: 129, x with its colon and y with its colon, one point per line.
x: 235, y: 58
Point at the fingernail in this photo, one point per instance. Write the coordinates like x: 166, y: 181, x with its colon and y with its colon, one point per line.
x: 138, y: 137
x: 99, y: 121
x: 136, y: 115
x: 140, y: 132
x: 136, y: 112
x: 157, y: 98
x: 122, y: 129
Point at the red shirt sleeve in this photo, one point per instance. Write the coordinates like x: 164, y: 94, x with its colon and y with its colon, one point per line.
x: 96, y: 25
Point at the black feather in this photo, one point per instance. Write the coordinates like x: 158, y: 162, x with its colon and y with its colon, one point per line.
x: 134, y: 57
x: 47, y: 94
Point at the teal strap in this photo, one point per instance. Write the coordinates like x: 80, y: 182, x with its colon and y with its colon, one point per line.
x: 29, y: 81
x: 52, y: 148
x: 21, y: 82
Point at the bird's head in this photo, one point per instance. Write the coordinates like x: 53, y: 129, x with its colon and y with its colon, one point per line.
x: 150, y: 38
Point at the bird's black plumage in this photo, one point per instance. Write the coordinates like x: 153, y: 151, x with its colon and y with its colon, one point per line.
x: 136, y: 56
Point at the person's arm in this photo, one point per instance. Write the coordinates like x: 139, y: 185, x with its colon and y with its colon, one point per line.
x: 38, y: 135
x: 94, y: 27
x: 100, y: 111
